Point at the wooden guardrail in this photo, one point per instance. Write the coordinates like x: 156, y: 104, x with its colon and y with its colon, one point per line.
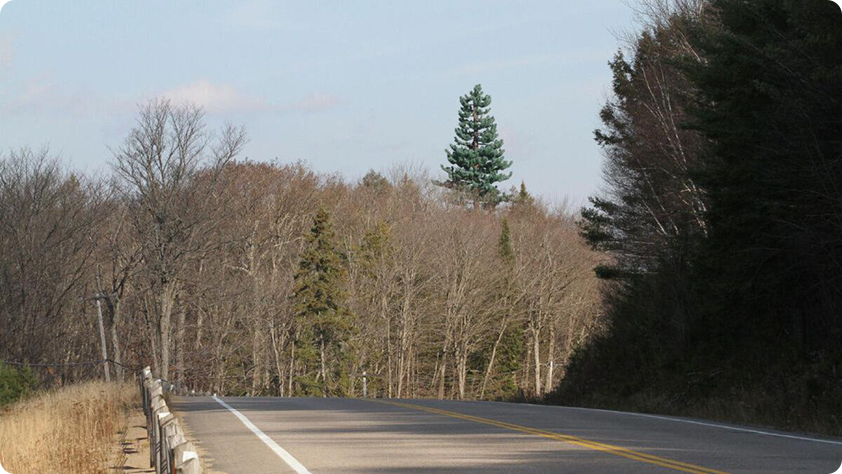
x: 169, y: 450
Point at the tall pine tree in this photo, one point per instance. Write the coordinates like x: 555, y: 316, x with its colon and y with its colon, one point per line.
x: 322, y: 318
x: 476, y: 156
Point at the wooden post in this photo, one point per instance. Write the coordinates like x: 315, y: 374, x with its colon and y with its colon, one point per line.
x: 168, y: 435
x: 186, y: 459
x: 158, y: 407
x: 160, y: 440
x: 169, y: 450
x: 193, y: 466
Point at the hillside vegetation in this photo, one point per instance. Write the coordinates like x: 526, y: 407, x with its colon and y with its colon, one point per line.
x: 270, y: 279
x: 722, y: 217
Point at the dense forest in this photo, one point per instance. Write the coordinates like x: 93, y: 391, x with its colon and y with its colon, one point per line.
x: 722, y: 216
x: 238, y: 277
x: 703, y: 279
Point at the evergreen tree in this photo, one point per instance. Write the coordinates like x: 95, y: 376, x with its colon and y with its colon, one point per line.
x: 512, y: 348
x: 15, y: 383
x: 504, y: 246
x: 744, y: 279
x: 376, y: 248
x: 511, y: 342
x: 522, y: 197
x: 770, y: 106
x: 476, y: 156
x: 375, y: 181
x: 319, y: 305
x: 503, y: 355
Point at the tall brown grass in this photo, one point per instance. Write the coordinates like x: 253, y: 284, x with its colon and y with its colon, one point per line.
x: 69, y: 431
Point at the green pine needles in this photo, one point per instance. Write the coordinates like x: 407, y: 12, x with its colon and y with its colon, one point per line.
x: 321, y: 273
x: 504, y: 245
x: 324, y: 324
x: 476, y: 156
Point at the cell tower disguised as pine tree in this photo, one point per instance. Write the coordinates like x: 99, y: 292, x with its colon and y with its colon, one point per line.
x: 476, y: 156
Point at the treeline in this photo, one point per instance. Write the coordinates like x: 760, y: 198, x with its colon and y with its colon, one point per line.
x: 251, y: 278
x: 722, y: 217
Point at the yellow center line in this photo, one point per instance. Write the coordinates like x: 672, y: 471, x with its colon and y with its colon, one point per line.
x: 607, y: 448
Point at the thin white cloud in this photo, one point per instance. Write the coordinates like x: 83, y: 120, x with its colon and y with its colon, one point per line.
x: 40, y: 90
x: 45, y: 95
x: 316, y: 102
x: 213, y: 98
x: 225, y: 98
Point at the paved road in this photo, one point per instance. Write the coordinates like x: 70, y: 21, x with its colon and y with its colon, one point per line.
x: 325, y: 435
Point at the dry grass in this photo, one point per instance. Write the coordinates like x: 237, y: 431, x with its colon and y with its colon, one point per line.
x: 67, y: 431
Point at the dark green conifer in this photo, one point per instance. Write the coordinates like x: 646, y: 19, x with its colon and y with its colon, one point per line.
x: 375, y: 181
x: 504, y: 245
x: 319, y: 304
x: 523, y: 198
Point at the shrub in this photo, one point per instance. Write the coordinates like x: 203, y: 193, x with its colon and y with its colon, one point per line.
x: 15, y: 384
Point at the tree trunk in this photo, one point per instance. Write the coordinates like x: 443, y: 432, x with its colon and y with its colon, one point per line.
x: 153, y: 338
x: 493, y: 356
x: 276, y: 350
x: 200, y: 319
x: 389, y: 357
x: 536, y: 354
x: 291, y: 366
x: 102, y: 340
x: 403, y: 362
x: 443, y: 367
x: 409, y: 367
x: 462, y: 372
x: 179, y: 345
x: 116, y: 307
x: 322, y: 354
x: 415, y: 374
x: 454, y: 378
x: 165, y: 326
x: 548, y: 385
x: 256, y: 347
x: 443, y: 371
x: 219, y: 371
x: 568, y: 340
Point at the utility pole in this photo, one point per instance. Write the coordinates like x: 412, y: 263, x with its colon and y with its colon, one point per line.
x: 102, y: 338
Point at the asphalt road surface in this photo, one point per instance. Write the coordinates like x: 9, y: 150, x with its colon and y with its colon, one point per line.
x: 334, y: 435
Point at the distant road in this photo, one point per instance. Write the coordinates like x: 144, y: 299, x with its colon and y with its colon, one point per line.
x: 336, y: 435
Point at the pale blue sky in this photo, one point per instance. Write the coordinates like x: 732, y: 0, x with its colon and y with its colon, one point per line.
x: 345, y: 86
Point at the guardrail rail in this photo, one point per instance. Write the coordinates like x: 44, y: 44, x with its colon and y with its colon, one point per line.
x: 169, y: 450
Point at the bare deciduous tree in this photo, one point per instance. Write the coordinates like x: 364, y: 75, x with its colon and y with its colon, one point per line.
x: 170, y: 166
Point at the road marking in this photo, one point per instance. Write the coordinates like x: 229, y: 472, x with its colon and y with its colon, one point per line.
x: 701, y: 423
x: 607, y: 448
x: 281, y: 452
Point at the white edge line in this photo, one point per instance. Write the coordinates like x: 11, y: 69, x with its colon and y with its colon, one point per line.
x: 680, y: 420
x: 281, y: 452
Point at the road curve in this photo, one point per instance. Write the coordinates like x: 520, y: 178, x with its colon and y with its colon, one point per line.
x: 336, y: 435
